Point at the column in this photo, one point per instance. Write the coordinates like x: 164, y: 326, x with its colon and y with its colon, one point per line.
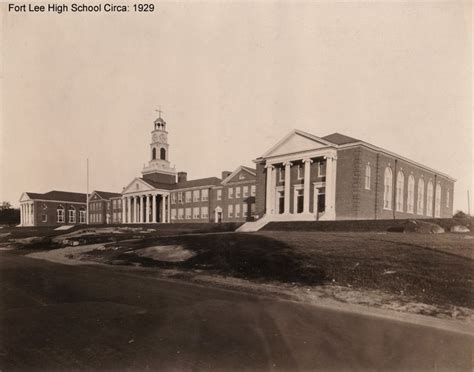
x: 129, y: 209
x: 163, y: 208
x: 147, y: 199
x: 135, y: 209
x: 28, y: 216
x: 168, y: 199
x: 287, y: 187
x: 153, y: 219
x: 307, y: 185
x: 123, y: 210
x: 21, y: 215
x: 140, y: 218
x: 268, y: 205
x: 330, y: 187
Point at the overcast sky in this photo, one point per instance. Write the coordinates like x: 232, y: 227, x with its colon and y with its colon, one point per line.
x: 232, y: 80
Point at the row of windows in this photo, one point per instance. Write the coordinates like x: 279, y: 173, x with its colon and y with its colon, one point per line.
x: 233, y: 211
x: 95, y: 218
x: 116, y: 217
x: 321, y: 171
x: 203, y: 195
x: 116, y: 203
x: 96, y: 206
x: 189, y: 213
x: 421, y: 208
x: 60, y: 215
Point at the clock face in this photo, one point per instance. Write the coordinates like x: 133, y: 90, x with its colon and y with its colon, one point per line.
x: 162, y: 137
x: 155, y: 137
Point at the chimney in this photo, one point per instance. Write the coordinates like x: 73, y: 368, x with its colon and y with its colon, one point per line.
x: 182, y: 176
x: 225, y: 174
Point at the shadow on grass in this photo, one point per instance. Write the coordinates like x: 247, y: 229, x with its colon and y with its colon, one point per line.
x: 239, y: 255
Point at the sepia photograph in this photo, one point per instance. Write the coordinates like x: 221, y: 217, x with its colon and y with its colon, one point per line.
x: 249, y: 185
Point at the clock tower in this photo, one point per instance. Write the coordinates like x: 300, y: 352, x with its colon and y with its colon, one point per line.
x: 159, y: 168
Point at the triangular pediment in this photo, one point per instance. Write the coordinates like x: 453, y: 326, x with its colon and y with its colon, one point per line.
x: 24, y: 197
x: 241, y: 174
x: 95, y: 196
x: 137, y: 185
x: 297, y: 141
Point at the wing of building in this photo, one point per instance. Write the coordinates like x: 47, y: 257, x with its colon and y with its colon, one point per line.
x: 302, y: 177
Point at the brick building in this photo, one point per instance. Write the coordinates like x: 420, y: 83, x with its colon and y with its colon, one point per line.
x: 105, y: 207
x: 52, y: 208
x: 304, y: 177
x: 166, y: 196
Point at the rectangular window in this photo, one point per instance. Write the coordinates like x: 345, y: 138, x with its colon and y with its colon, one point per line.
x: 196, y: 213
x: 231, y: 193
x: 245, y: 210
x: 237, y: 210
x: 300, y: 171
x: 180, y: 214
x: 173, y: 214
x: 44, y: 218
x: 230, y: 211
x: 245, y: 191
x: 205, y: 195
x: 237, y: 192
x: 281, y: 174
x: 196, y: 196
x: 321, y: 169
x: 204, y: 212
x: 72, y: 216
x: 219, y: 194
x: 252, y: 190
x: 188, y: 197
x: 180, y: 197
x: 173, y: 198
x: 188, y: 213
x: 114, y: 205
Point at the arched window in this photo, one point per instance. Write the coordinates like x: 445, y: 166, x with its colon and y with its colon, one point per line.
x: 421, y: 196
x: 72, y: 215
x: 387, y: 191
x: 429, y: 199
x: 153, y: 154
x: 367, y: 176
x: 438, y: 200
x: 400, y: 191
x: 411, y: 194
x: 162, y: 154
x: 60, y: 214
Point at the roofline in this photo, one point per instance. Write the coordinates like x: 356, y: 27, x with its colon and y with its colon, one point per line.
x: 241, y: 167
x: 393, y: 154
x: 59, y: 201
x: 301, y: 133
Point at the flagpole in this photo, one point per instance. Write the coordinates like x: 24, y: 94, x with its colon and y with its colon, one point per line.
x: 87, y: 193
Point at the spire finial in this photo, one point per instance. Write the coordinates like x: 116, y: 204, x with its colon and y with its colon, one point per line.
x: 159, y: 111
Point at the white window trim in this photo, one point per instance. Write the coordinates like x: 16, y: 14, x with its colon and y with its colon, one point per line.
x: 300, y: 172
x: 368, y: 176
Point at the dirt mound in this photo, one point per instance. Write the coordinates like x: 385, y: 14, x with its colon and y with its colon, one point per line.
x: 417, y: 226
x: 459, y: 229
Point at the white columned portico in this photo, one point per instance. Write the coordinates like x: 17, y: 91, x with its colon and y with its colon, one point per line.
x: 129, y: 209
x: 147, y: 209
x: 307, y: 179
x: 287, y: 165
x: 268, y: 206
x: 331, y: 163
x: 141, y: 209
x: 153, y: 219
